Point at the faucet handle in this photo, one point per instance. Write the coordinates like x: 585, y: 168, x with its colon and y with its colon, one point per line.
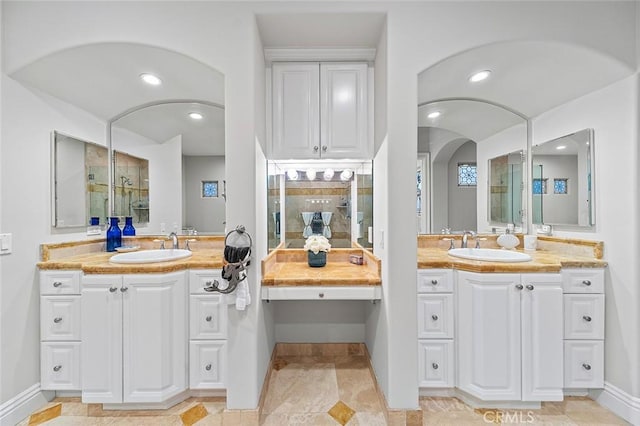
x: 478, y: 241
x: 161, y: 243
x: 451, y: 240
x: 191, y: 240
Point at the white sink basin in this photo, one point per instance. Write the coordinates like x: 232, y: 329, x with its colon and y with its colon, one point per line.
x: 490, y: 255
x: 150, y: 256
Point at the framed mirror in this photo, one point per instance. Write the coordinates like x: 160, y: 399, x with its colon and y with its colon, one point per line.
x: 456, y: 140
x: 183, y: 145
x: 562, y: 180
x: 80, y: 181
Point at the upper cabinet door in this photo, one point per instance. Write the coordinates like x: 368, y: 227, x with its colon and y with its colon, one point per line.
x: 296, y: 102
x: 343, y: 111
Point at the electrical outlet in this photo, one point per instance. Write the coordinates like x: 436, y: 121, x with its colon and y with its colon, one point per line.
x: 6, y: 247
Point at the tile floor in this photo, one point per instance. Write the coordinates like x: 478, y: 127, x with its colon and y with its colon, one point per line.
x: 321, y: 390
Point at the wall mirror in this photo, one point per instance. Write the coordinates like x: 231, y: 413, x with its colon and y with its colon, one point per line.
x: 182, y: 143
x: 506, y: 191
x: 562, y: 180
x: 80, y: 181
x: 456, y: 140
x: 333, y: 198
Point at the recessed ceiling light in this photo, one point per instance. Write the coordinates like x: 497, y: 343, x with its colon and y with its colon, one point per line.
x: 479, y: 76
x: 434, y: 114
x: 150, y: 79
x: 560, y: 147
x: 195, y: 116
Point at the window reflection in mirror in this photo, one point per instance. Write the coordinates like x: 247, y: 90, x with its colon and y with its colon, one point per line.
x: 562, y: 180
x: 80, y: 181
x: 334, y: 199
x: 506, y: 191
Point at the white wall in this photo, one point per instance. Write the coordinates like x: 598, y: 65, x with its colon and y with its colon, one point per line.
x: 204, y: 214
x: 462, y: 200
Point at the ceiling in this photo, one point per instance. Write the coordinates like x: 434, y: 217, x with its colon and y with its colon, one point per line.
x: 103, y: 79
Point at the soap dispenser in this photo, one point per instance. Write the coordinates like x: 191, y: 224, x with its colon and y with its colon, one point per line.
x: 508, y: 240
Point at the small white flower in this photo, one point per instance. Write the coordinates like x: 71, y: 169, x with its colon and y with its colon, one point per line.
x: 317, y: 243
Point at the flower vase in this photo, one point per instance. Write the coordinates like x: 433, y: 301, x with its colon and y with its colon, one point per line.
x: 317, y: 260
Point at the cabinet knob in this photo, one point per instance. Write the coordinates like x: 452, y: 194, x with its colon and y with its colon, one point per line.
x: 434, y: 282
x: 57, y: 319
x: 208, y: 318
x: 434, y: 366
x: 530, y: 287
x: 434, y: 317
x: 113, y: 289
x: 211, y: 285
x: 208, y: 367
x: 315, y: 148
x: 587, y: 318
x: 321, y: 295
x: 57, y: 284
x: 586, y: 366
x: 57, y: 368
x: 519, y: 286
x: 586, y: 282
x: 123, y: 289
x: 324, y: 148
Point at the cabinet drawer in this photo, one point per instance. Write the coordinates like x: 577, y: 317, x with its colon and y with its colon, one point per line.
x: 60, y: 318
x: 60, y: 366
x: 584, y: 316
x: 207, y: 362
x: 207, y: 317
x: 435, y: 316
x: 199, y: 280
x: 435, y: 363
x: 583, y: 280
x: 60, y: 282
x: 584, y: 364
x: 435, y: 281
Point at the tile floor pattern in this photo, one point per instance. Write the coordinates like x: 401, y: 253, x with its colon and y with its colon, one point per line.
x: 321, y: 390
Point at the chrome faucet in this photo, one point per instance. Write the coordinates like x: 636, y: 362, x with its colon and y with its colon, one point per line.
x: 174, y: 239
x: 466, y: 234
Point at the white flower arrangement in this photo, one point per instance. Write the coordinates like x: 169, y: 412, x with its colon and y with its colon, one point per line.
x: 317, y: 243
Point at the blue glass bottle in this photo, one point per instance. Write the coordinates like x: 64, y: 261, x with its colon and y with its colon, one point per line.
x: 114, y: 235
x: 128, y: 230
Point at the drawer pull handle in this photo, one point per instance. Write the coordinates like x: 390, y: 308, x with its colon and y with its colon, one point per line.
x: 586, y: 366
x: 434, y: 282
x: 57, y: 319
x: 57, y: 368
x: 113, y: 289
x: 321, y: 295
x: 208, y: 318
x: 587, y: 318
x: 208, y: 367
x: 519, y: 286
x: 586, y: 282
x: 530, y: 287
x: 123, y: 289
x: 211, y: 286
x: 434, y: 366
x: 57, y: 284
x: 434, y: 317
x: 315, y: 148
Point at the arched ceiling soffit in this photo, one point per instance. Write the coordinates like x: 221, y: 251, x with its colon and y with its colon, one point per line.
x: 103, y: 78
x: 530, y: 77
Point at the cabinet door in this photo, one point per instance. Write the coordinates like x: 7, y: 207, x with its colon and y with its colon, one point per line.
x: 60, y: 317
x: 296, y: 111
x: 207, y: 364
x: 542, y: 345
x: 435, y: 363
x: 154, y: 336
x: 488, y: 331
x: 101, y: 315
x: 60, y: 366
x: 583, y: 364
x: 584, y: 316
x: 435, y: 316
x: 343, y: 111
x: 207, y: 316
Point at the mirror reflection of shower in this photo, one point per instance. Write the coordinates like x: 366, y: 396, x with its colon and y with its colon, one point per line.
x: 131, y: 187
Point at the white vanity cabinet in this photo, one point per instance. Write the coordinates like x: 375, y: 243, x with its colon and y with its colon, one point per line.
x: 583, y: 328
x: 60, y: 330
x: 320, y: 110
x: 509, y: 334
x: 435, y: 328
x: 134, y: 338
x: 207, y: 332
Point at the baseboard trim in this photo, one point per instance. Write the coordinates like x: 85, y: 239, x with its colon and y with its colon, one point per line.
x: 24, y: 404
x: 619, y: 402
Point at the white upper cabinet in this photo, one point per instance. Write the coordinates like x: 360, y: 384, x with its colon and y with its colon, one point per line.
x: 320, y: 110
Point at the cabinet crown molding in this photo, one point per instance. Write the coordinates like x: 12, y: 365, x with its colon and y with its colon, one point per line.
x: 319, y: 55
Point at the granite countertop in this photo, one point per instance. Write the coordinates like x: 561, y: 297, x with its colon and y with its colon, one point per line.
x: 542, y: 261
x: 288, y: 267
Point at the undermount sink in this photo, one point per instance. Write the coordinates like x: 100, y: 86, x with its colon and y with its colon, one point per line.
x: 150, y: 256
x: 490, y: 255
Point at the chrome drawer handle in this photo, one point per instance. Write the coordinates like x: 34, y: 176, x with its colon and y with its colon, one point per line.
x: 57, y: 368
x: 113, y: 289
x: 530, y: 287
x: 57, y: 284
x: 57, y: 319
x: 519, y: 286
x: 586, y: 366
x: 434, y: 317
x: 587, y: 318
x: 315, y: 148
x: 586, y: 282
x: 434, y: 366
x: 123, y: 289
x: 208, y: 318
x: 434, y: 282
x: 208, y: 367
